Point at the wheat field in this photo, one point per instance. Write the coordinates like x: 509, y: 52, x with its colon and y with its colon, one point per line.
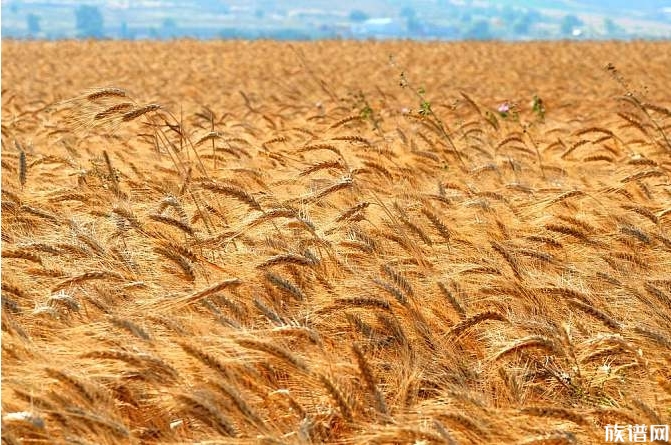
x: 334, y: 242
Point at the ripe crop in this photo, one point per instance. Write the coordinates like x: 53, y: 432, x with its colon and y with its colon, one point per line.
x: 235, y: 242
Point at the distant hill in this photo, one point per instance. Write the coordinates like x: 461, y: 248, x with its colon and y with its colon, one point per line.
x: 315, y: 19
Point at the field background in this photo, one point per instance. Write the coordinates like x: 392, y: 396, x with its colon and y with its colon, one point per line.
x: 323, y: 19
x: 301, y: 245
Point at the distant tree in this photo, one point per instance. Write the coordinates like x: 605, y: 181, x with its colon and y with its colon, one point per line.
x: 522, y: 25
x: 509, y: 14
x: 465, y: 17
x: 169, y: 28
x: 534, y: 15
x: 408, y: 12
x: 414, y: 25
x: 520, y: 21
x: 33, y: 22
x: 612, y: 28
x: 569, y: 23
x: 479, y: 30
x: 358, y: 15
x: 89, y: 21
x: 126, y: 33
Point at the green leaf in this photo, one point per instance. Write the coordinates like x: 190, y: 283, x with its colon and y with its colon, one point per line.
x: 425, y: 108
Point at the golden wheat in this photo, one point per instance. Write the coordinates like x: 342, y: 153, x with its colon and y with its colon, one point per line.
x: 274, y: 263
